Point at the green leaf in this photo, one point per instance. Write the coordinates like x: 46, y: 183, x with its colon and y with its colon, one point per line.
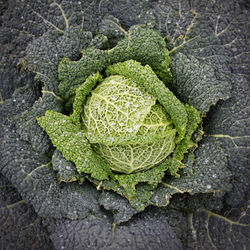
x: 196, y: 83
x: 115, y: 113
x: 141, y: 44
x: 187, y: 143
x: 146, y: 78
x: 81, y: 94
x: 117, y: 107
x: 43, y: 56
x: 135, y: 157
x: 146, y: 46
x: 132, y: 139
x: 209, y: 174
x: 74, y: 73
x: 138, y: 187
x: 73, y: 144
x: 153, y: 177
x: 45, y: 53
x: 65, y: 170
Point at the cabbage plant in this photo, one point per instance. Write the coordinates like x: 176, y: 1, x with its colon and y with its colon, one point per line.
x: 59, y: 182
x: 125, y: 126
x: 125, y: 119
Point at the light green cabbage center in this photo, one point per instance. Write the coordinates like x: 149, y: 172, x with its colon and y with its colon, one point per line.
x: 126, y: 126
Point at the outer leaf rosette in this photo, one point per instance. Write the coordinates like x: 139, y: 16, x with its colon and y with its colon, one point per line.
x: 131, y: 122
x: 122, y: 128
x: 124, y: 124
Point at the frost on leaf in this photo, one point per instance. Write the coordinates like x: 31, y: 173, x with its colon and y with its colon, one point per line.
x: 125, y: 125
x: 117, y: 107
x: 73, y: 144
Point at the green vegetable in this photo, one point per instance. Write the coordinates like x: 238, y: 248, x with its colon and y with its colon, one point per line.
x: 113, y: 119
x: 207, y: 44
x: 125, y: 124
x: 128, y: 129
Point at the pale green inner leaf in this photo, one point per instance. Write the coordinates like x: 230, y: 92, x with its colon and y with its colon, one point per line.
x: 126, y: 126
x: 133, y: 158
x: 117, y: 107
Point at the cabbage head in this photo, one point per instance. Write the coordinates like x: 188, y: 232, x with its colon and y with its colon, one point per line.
x: 136, y: 132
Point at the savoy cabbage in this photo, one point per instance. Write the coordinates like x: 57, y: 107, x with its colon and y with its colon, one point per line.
x: 198, y: 50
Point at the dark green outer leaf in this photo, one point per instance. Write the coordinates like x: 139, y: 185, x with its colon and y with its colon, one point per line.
x: 118, y: 205
x: 212, y: 52
x: 31, y: 173
x: 111, y: 28
x: 65, y: 170
x: 74, y: 73
x: 20, y: 227
x: 196, y: 83
x: 27, y: 125
x: 230, y: 125
x: 209, y: 174
x: 216, y: 35
x: 140, y: 43
x: 43, y: 56
x: 147, y: 231
x: 233, y: 229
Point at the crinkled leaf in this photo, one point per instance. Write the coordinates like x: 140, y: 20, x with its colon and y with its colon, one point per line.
x: 73, y: 144
x: 220, y: 25
x: 137, y: 157
x: 114, y: 114
x: 146, y: 46
x: 138, y: 187
x: 146, y: 231
x: 74, y: 73
x: 22, y: 99
x: 65, y: 170
x: 81, y: 94
x: 118, y: 205
x: 43, y: 56
x: 45, y: 53
x: 209, y: 174
x: 156, y: 122
x: 111, y: 28
x: 21, y: 228
x: 117, y: 107
x: 141, y: 44
x: 146, y: 78
x: 31, y: 173
x: 215, y: 231
x: 187, y: 143
x: 230, y: 125
x: 27, y: 124
x: 153, y: 177
x: 196, y: 83
x: 132, y: 139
